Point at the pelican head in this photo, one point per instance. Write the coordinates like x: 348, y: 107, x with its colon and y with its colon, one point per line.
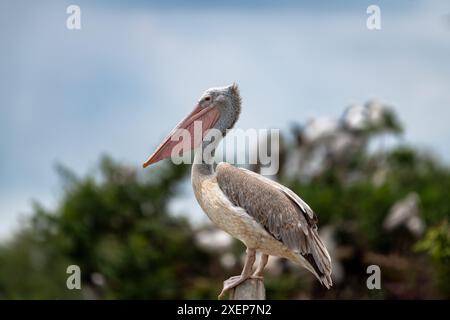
x: 217, y: 108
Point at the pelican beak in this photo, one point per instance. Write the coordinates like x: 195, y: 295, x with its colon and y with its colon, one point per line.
x: 206, y: 116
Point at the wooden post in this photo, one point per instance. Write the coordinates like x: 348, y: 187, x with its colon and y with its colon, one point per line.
x: 251, y: 289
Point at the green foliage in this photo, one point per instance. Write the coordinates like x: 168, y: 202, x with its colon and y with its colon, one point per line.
x: 436, y: 244
x: 118, y: 229
x: 31, y: 270
x: 355, y: 191
x: 116, y: 225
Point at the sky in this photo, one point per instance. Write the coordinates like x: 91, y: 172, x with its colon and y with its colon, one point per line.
x: 119, y: 84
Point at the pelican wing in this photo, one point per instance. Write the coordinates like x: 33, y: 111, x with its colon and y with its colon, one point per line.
x: 280, y: 211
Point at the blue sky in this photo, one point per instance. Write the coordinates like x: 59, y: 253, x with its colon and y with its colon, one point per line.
x: 121, y: 82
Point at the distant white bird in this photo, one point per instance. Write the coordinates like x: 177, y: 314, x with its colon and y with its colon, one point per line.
x: 406, y: 212
x: 375, y: 112
x: 213, y: 239
x: 318, y: 128
x: 354, y: 118
x: 263, y: 214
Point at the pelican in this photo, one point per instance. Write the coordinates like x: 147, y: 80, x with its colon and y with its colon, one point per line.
x: 266, y: 216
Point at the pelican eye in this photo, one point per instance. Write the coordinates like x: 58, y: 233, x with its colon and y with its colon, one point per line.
x: 208, y: 98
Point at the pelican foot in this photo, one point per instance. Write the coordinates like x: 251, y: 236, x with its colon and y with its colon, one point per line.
x: 257, y: 277
x: 232, y: 283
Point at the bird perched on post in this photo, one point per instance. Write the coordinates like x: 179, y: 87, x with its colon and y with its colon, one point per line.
x: 265, y: 215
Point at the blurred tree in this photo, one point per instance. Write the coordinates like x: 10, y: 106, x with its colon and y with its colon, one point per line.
x: 30, y: 269
x: 116, y: 224
x: 118, y: 230
x: 437, y: 244
x: 353, y: 188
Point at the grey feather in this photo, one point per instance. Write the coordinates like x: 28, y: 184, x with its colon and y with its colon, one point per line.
x: 280, y: 211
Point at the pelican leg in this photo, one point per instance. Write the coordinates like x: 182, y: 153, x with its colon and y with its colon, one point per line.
x: 259, y: 273
x: 246, y: 273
